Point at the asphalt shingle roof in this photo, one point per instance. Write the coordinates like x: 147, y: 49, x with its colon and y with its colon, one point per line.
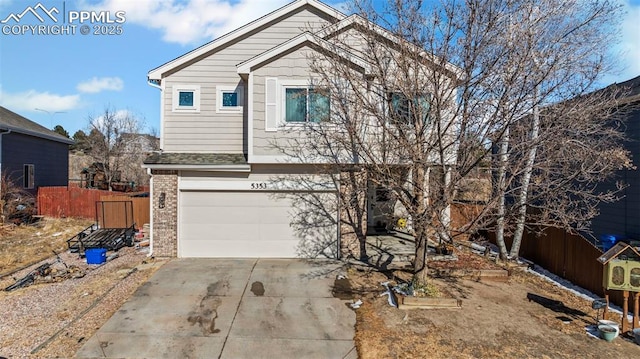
x: 196, y: 159
x: 10, y: 120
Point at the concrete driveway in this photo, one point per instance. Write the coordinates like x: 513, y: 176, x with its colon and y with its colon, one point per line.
x: 231, y: 308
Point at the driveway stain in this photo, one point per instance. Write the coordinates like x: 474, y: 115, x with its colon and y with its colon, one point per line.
x: 207, y: 312
x: 342, y: 289
x: 257, y: 288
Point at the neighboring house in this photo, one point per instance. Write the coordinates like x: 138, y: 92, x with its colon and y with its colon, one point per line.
x: 217, y: 182
x: 621, y: 220
x: 32, y: 155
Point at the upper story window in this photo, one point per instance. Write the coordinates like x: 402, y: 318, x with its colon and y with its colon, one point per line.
x: 186, y: 98
x: 403, y: 109
x: 229, y: 98
x: 28, y: 176
x: 306, y: 104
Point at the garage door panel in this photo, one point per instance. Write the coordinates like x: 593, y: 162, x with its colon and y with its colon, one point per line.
x: 213, y: 233
x: 204, y: 215
x: 249, y: 224
x: 235, y: 199
x: 238, y: 248
x: 237, y: 217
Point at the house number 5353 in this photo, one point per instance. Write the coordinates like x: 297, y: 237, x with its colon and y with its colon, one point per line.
x: 258, y: 185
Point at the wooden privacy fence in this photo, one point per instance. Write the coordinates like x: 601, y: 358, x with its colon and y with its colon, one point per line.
x: 567, y: 255
x: 81, y: 202
x: 68, y: 201
x: 113, y: 213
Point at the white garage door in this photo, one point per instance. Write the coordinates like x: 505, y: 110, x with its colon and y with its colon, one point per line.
x: 257, y: 224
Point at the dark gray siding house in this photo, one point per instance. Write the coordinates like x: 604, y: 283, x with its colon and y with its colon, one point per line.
x: 32, y: 155
x: 621, y: 220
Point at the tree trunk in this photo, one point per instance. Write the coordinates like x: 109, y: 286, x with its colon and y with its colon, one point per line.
x: 420, y: 270
x: 526, y: 179
x: 444, y: 225
x: 357, y: 209
x: 503, y: 158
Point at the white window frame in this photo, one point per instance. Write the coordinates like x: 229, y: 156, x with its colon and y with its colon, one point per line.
x: 220, y: 89
x: 28, y: 176
x: 292, y: 84
x: 409, y: 115
x: 177, y: 88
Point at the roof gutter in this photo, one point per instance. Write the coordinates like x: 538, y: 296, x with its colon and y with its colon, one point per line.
x: 37, y: 134
x: 154, y: 83
x: 219, y: 168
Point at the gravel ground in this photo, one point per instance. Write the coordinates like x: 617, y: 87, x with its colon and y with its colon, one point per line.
x: 53, y: 320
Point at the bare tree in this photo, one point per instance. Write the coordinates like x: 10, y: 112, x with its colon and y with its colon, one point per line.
x: 419, y: 94
x: 554, y: 171
x: 111, y: 143
x: 13, y: 197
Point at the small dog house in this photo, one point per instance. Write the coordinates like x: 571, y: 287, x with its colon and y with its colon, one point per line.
x: 621, y: 268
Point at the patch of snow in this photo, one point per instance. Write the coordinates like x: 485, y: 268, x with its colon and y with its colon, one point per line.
x: 569, y: 286
x: 592, y: 331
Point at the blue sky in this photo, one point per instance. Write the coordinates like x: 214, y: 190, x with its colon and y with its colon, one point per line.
x: 65, y: 78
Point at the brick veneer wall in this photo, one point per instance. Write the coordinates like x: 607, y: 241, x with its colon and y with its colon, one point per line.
x: 165, y: 220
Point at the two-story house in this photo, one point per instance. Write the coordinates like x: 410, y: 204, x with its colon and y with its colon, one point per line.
x: 217, y: 182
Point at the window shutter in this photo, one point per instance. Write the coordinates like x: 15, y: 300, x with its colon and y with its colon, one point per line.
x: 271, y: 104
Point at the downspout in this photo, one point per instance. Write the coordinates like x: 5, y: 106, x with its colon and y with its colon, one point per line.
x: 151, y: 214
x: 155, y: 84
x: 160, y: 86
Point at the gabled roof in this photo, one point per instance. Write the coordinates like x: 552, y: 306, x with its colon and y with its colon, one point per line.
x: 305, y: 37
x: 13, y: 122
x: 356, y: 19
x: 156, y: 74
x: 617, y: 250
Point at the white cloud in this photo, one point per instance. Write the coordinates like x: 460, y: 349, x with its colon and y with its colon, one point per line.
x: 189, y: 22
x: 96, y: 85
x: 32, y: 99
x: 116, y: 114
x: 630, y: 44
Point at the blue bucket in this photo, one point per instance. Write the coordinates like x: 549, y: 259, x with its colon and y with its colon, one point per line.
x: 96, y: 255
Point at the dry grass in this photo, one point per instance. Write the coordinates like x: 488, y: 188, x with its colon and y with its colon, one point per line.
x: 53, y: 320
x: 497, y: 320
x: 26, y: 244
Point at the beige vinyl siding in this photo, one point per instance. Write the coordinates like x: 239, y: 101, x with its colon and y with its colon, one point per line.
x: 292, y: 66
x: 353, y: 40
x: 208, y: 131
